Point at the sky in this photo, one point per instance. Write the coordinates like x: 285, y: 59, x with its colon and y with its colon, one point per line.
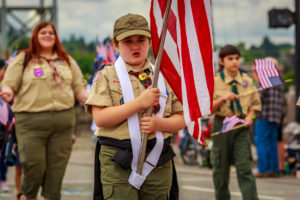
x: 233, y: 20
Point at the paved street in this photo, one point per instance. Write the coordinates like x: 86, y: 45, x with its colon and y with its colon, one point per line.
x: 195, y: 182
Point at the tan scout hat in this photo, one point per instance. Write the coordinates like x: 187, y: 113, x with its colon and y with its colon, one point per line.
x: 130, y: 24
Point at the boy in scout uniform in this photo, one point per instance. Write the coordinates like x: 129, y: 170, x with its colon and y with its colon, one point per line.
x: 113, y: 113
x: 233, y: 146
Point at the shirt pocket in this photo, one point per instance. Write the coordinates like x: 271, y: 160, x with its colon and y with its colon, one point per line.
x: 33, y: 74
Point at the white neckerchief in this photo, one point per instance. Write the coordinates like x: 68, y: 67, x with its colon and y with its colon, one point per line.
x: 136, y: 179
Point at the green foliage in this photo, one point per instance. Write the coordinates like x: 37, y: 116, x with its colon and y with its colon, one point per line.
x: 85, y: 62
x: 84, y: 53
x: 265, y: 49
x: 23, y: 43
x: 289, y: 78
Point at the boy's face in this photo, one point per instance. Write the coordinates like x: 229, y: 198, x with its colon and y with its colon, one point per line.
x: 231, y: 63
x: 134, y: 49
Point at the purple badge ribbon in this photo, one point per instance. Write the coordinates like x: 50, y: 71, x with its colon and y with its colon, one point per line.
x: 38, y: 72
x: 245, y: 84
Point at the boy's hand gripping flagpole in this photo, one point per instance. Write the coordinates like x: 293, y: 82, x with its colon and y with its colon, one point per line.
x: 154, y: 82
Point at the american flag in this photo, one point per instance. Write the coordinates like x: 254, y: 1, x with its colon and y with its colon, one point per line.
x: 267, y: 73
x: 106, y: 50
x: 187, y: 61
x: 4, y: 115
x: 111, y: 55
x: 101, y: 49
x: 230, y: 122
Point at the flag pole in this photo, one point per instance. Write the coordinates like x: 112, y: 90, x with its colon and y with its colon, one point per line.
x: 260, y: 89
x: 250, y: 92
x: 154, y: 81
x: 236, y: 127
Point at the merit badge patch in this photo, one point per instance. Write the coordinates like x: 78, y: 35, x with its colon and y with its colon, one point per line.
x: 245, y: 84
x: 38, y: 72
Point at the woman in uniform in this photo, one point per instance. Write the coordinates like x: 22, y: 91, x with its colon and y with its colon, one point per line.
x: 44, y: 82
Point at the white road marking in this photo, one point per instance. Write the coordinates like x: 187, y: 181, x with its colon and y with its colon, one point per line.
x: 201, y: 189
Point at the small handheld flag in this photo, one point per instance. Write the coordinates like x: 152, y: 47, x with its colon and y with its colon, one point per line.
x: 230, y: 122
x: 267, y: 73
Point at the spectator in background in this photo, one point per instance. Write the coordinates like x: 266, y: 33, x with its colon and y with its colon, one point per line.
x: 3, y: 167
x: 44, y: 82
x: 266, y: 128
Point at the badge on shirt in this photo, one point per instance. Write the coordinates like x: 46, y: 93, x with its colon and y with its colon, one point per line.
x: 245, y: 84
x: 143, y: 76
x: 122, y: 101
x: 38, y: 72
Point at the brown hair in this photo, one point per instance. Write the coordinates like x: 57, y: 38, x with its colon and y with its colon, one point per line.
x: 228, y: 50
x: 34, y: 49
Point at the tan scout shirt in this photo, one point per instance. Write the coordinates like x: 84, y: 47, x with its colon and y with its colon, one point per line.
x: 36, y: 89
x: 244, y: 84
x: 106, y: 91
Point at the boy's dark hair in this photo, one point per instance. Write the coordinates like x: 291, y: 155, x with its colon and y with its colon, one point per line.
x: 228, y: 50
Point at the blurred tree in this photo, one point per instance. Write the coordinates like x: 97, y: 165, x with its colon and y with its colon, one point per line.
x: 269, y: 48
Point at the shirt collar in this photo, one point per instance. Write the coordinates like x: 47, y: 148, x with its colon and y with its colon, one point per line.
x: 53, y: 57
x: 147, y: 65
x: 228, y: 78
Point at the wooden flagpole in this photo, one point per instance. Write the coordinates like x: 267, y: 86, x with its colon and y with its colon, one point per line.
x: 235, y: 127
x: 250, y: 92
x: 142, y: 152
x: 260, y: 89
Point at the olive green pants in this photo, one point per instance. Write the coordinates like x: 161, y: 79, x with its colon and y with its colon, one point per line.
x: 232, y: 147
x: 45, y: 143
x: 115, y: 180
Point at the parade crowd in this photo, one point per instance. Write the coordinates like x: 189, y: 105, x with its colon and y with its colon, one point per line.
x: 40, y: 86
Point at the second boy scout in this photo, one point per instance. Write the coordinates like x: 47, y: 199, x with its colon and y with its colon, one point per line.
x: 233, y: 146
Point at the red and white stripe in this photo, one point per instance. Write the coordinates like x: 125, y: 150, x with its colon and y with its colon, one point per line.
x: 187, y: 61
x: 265, y: 69
x: 230, y: 122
